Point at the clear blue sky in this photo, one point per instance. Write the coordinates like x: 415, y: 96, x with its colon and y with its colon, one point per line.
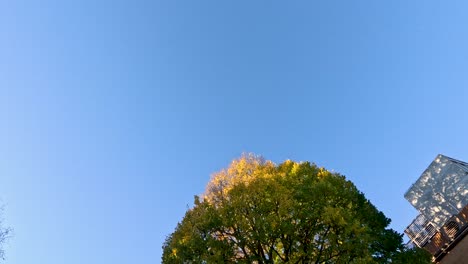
x: 113, y: 114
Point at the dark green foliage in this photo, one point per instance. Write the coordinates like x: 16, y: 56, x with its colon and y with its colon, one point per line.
x: 413, y: 256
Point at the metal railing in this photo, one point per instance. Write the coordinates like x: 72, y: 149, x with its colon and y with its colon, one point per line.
x: 420, y: 230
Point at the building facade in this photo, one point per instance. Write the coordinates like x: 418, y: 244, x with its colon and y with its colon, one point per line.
x: 441, y: 197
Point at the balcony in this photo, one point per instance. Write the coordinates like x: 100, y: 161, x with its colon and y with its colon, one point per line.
x: 438, y: 242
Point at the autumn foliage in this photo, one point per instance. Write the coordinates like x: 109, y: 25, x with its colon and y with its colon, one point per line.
x: 256, y: 211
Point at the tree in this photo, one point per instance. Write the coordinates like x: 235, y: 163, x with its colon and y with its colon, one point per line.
x: 258, y: 212
x: 4, y: 234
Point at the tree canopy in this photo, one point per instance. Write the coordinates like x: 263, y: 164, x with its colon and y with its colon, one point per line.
x: 258, y: 212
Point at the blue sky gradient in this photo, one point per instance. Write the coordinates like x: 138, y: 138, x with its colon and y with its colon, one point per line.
x: 113, y: 114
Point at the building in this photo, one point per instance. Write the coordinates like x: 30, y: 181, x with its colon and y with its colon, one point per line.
x: 441, y: 197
